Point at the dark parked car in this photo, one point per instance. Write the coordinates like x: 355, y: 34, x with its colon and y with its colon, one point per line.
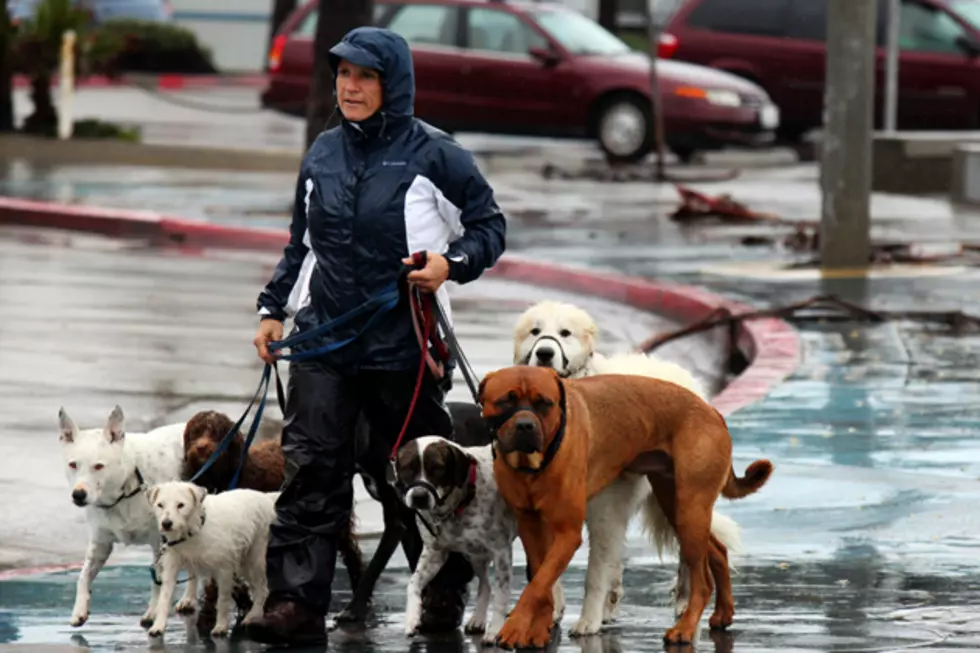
x: 781, y: 45
x: 542, y: 69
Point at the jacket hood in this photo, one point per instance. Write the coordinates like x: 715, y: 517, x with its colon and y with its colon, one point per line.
x: 387, y: 52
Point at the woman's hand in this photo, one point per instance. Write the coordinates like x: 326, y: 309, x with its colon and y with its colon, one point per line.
x: 433, y: 275
x: 269, y: 331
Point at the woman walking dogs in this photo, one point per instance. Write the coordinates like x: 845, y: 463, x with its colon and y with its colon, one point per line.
x: 370, y: 192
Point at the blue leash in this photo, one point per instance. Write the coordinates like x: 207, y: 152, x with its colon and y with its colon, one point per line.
x: 382, y: 303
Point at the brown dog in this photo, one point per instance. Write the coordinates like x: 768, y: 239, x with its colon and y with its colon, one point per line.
x: 560, y: 442
x: 264, y: 470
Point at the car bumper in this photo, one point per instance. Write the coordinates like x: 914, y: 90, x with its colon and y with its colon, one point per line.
x: 285, y: 97
x: 752, y: 125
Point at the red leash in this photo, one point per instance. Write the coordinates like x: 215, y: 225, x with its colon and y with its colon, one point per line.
x: 423, y: 313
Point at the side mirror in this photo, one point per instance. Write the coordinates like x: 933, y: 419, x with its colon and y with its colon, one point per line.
x: 969, y: 45
x: 546, y: 56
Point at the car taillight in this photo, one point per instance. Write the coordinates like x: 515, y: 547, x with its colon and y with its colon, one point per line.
x: 667, y: 47
x: 275, y: 54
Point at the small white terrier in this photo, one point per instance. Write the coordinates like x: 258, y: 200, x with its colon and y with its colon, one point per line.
x: 218, y: 536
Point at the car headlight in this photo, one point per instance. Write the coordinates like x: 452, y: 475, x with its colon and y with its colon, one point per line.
x: 714, y: 96
x: 724, y: 98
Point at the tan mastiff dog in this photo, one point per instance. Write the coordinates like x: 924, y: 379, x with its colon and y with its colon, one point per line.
x: 560, y: 442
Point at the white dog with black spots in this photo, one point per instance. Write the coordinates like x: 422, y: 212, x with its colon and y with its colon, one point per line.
x: 452, y: 488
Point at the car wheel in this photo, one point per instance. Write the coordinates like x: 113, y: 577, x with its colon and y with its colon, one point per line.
x: 625, y: 130
x: 684, y: 154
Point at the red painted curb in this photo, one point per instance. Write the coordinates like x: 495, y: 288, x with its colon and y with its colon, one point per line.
x: 11, y: 574
x: 771, y: 345
x: 166, y: 82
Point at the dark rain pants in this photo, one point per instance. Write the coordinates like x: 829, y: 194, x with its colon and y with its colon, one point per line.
x: 322, y: 409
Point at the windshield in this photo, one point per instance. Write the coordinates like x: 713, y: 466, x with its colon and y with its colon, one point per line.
x: 968, y: 10
x: 578, y: 34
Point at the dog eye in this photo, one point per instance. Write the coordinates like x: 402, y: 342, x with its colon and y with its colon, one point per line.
x: 180, y: 506
x: 159, y: 505
x: 73, y: 465
x: 535, y: 331
x: 564, y: 333
x: 98, y: 467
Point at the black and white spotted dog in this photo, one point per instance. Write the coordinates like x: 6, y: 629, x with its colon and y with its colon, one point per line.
x: 454, y: 493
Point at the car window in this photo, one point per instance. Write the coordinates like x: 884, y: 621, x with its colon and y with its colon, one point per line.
x: 807, y: 20
x: 501, y: 31
x: 307, y: 26
x: 968, y: 10
x: 426, y: 24
x: 928, y: 30
x: 759, y: 17
x: 577, y: 33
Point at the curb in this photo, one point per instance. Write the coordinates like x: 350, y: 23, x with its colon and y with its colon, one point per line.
x: 165, y: 82
x: 771, y: 345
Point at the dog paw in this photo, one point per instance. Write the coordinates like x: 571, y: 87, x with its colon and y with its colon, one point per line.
x: 585, y: 627
x: 721, y: 619
x: 520, y: 633
x: 676, y: 636
x: 146, y: 620
x: 220, y: 631
x: 186, y: 606
x: 412, y: 627
x: 78, y: 619
x: 156, y: 631
x: 475, y: 626
x: 351, y: 614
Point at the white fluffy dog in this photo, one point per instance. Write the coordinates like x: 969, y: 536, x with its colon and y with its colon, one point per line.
x: 218, y: 536
x: 564, y: 337
x: 109, y: 470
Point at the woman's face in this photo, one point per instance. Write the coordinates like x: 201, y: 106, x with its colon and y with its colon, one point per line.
x: 359, y: 91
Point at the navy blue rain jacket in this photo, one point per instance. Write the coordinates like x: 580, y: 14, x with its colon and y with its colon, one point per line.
x: 370, y: 194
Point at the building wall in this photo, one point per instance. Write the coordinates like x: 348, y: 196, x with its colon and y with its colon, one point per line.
x: 236, y: 31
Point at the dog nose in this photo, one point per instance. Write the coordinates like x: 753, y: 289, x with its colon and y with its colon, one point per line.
x: 545, y: 354
x: 79, y: 496
x: 524, y: 425
x: 419, y: 499
x: 167, y: 524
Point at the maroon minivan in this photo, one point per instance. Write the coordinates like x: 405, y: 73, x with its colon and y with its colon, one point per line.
x: 542, y: 69
x: 781, y: 45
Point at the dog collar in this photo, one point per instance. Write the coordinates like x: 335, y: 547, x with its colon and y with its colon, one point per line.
x: 126, y: 495
x: 470, y: 490
x: 183, y: 539
x: 552, y: 449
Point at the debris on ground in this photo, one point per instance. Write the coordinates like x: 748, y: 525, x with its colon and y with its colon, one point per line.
x: 819, y: 308
x: 699, y: 205
x: 601, y: 170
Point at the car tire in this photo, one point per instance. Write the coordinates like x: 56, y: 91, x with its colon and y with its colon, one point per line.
x: 624, y: 129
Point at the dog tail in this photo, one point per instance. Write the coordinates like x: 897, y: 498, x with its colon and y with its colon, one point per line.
x: 664, y: 539
x: 737, y: 487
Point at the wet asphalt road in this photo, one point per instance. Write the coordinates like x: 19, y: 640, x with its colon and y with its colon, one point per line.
x: 165, y: 335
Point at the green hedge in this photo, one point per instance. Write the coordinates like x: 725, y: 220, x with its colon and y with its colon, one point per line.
x: 148, y: 47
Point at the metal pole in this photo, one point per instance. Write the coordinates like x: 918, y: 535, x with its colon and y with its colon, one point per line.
x: 891, y: 66
x: 66, y: 76
x: 845, y: 171
x: 653, y: 35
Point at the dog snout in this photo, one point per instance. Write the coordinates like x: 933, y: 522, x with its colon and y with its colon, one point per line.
x: 167, y: 524
x: 79, y: 496
x: 526, y: 436
x: 419, y: 499
x: 545, y: 355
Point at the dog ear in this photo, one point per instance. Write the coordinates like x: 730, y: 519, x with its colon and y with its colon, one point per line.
x: 154, y: 491
x: 483, y: 386
x: 198, y: 492
x: 116, y: 427
x: 461, y: 465
x: 68, y: 428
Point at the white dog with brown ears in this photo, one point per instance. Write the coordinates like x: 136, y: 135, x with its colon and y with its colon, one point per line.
x: 564, y: 337
x: 108, y: 471
x: 217, y: 536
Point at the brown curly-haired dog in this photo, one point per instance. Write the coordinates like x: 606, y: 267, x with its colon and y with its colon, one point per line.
x: 263, y: 471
